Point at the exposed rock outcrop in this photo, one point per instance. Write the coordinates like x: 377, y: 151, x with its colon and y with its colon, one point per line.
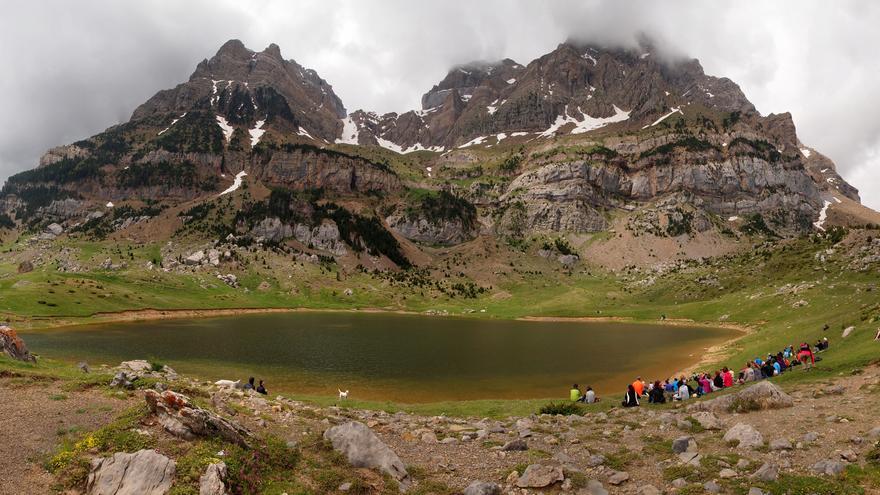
x: 180, y: 417
x: 12, y: 345
x: 145, y: 472
x: 363, y: 448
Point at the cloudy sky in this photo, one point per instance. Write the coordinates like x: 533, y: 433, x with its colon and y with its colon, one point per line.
x: 71, y: 69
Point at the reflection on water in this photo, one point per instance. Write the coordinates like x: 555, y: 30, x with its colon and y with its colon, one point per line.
x: 393, y: 357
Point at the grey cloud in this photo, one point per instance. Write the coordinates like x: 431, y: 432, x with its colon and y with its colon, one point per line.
x: 73, y: 69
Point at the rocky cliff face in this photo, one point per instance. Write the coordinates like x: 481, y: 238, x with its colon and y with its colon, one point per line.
x: 560, y: 144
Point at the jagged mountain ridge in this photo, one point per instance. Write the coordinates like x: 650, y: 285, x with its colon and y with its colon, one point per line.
x: 560, y: 145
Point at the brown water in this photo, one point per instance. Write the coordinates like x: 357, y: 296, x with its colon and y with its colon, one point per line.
x: 394, y: 357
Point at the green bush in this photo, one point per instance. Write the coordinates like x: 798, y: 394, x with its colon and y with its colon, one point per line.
x: 561, y: 408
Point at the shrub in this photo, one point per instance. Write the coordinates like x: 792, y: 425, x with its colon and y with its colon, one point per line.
x: 561, y: 408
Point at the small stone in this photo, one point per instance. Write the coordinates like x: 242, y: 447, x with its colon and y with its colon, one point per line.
x: 594, y: 488
x: 849, y: 455
x: 540, y: 476
x: 515, y: 445
x: 482, y: 488
x: 648, y: 490
x: 755, y: 491
x: 829, y: 467
x: 810, y: 437
x: 684, y: 444
x: 767, y: 472
x: 727, y: 473
x: 679, y: 483
x: 595, y: 460
x: 780, y: 444
x: 618, y: 478
x: 345, y: 487
x: 745, y: 435
x: 712, y: 487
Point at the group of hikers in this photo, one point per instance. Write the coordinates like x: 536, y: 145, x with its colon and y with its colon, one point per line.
x: 699, y: 384
x: 261, y: 389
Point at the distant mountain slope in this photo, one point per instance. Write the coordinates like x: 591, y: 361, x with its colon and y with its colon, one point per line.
x: 582, y: 140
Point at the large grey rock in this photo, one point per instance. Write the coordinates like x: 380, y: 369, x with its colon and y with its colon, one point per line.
x: 684, y: 444
x: 482, y: 488
x: 180, y: 417
x: 708, y: 420
x: 540, y: 476
x: 761, y: 396
x: 618, y: 478
x: 745, y: 435
x: 874, y: 433
x: 593, y: 487
x: 781, y: 444
x: 767, y: 472
x: 649, y: 490
x: 145, y: 472
x: 829, y: 467
x: 711, y: 487
x: 213, y: 481
x: 363, y: 448
x: 12, y: 345
x: 516, y: 444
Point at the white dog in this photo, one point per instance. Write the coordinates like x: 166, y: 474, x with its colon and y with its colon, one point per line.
x: 227, y: 383
x: 343, y: 395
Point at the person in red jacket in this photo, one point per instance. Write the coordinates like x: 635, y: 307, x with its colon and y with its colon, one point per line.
x: 806, y: 357
x: 727, y: 375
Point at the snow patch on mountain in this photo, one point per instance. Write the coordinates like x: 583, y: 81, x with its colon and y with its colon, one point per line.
x: 172, y: 124
x: 661, y: 119
x: 257, y: 132
x: 235, y: 183
x: 350, y: 132
x: 227, y: 129
x: 823, y: 215
x: 806, y: 152
x: 586, y: 123
x: 475, y: 141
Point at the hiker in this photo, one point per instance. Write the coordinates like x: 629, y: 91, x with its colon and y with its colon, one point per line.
x: 261, y: 389
x: 683, y: 392
x: 250, y: 384
x: 825, y: 343
x: 656, y: 396
x: 590, y: 396
x: 575, y: 393
x: 631, y: 399
x: 806, y: 357
x: 706, y: 384
x: 718, y: 381
x: 727, y: 375
x: 639, y: 386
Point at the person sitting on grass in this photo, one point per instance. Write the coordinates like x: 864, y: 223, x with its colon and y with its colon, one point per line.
x: 261, y: 389
x: 657, y: 395
x: 631, y: 399
x: 250, y: 384
x: 575, y: 393
x: 590, y: 396
x: 683, y: 391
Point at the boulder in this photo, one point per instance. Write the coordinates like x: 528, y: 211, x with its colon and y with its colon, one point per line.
x: 482, y: 488
x: 145, y: 472
x: 781, y: 444
x: 593, y: 488
x: 25, y: 267
x: 761, y: 396
x: 746, y: 436
x: 767, y: 472
x: 180, y: 417
x: 847, y: 331
x: 363, y: 448
x: 707, y: 420
x: 213, y: 481
x: 12, y: 345
x: 618, y: 478
x: 649, y: 490
x: 195, y: 258
x: 122, y: 380
x: 829, y: 467
x: 540, y: 476
x: 55, y: 229
x: 874, y: 433
x: 711, y: 487
x: 727, y: 473
x: 684, y: 444
x: 515, y: 445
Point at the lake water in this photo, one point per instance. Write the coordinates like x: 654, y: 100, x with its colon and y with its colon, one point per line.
x: 401, y: 358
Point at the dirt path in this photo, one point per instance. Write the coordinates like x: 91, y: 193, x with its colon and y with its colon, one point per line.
x: 34, y: 417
